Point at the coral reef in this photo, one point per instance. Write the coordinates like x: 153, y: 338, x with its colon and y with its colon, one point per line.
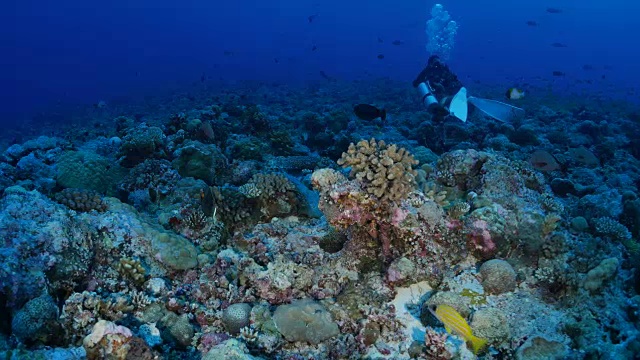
x: 37, y: 321
x: 200, y: 161
x: 305, y: 320
x: 141, y: 143
x: 107, y: 341
x: 89, y: 171
x: 154, y: 178
x: 255, y: 224
x: 386, y: 172
x: 236, y: 316
x: 81, y: 200
x: 497, y: 276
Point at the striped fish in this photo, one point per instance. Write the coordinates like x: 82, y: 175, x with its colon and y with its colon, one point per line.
x: 453, y: 321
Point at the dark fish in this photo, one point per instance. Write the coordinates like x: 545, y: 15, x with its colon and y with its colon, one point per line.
x: 558, y: 73
x: 276, y: 60
x: 380, y: 39
x: 559, y: 45
x: 312, y: 17
x: 587, y: 67
x: 604, y: 77
x: 398, y: 42
x: 314, y: 48
x: 203, y: 77
x: 228, y: 53
x: 554, y: 11
x: 369, y: 112
x: 532, y: 23
x: 325, y: 76
x: 380, y: 56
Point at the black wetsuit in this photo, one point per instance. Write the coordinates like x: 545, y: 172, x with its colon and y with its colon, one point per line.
x: 444, y: 83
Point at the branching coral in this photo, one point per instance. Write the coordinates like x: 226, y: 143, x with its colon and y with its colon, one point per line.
x: 276, y: 195
x: 435, y: 343
x: 131, y: 269
x: 271, y: 185
x: 82, y: 310
x: 250, y: 190
x: 156, y: 177
x: 386, y: 172
x: 265, y: 196
x: 615, y: 231
x: 376, y: 206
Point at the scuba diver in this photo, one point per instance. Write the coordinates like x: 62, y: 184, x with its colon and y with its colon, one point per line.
x: 437, y: 81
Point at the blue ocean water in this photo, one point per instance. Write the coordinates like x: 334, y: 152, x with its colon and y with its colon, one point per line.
x: 320, y: 179
x: 81, y: 52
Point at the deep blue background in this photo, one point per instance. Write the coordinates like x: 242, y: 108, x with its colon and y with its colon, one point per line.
x: 83, y: 51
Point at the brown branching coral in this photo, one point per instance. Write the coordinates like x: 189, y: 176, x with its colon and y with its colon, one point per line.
x: 269, y: 185
x: 230, y: 206
x: 433, y: 192
x: 250, y: 190
x: 277, y: 195
x: 385, y: 171
x: 131, y: 269
x: 550, y: 224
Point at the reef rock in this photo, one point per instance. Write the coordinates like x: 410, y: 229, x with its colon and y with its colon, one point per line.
x: 305, y: 320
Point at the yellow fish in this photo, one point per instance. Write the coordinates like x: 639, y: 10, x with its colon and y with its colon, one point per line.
x: 453, y: 321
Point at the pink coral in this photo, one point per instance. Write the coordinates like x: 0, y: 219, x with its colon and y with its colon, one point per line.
x: 436, y: 345
x: 398, y: 215
x: 480, y: 241
x: 107, y: 341
x: 211, y: 339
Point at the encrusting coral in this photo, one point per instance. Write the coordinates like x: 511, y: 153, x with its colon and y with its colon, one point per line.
x: 81, y: 200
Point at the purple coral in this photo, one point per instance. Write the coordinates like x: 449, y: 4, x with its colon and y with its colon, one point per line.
x: 435, y: 343
x: 480, y: 239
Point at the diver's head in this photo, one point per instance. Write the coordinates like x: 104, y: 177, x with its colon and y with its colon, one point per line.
x: 434, y: 61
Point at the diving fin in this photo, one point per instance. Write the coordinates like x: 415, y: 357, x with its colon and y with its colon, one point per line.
x: 458, y: 106
x: 497, y: 110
